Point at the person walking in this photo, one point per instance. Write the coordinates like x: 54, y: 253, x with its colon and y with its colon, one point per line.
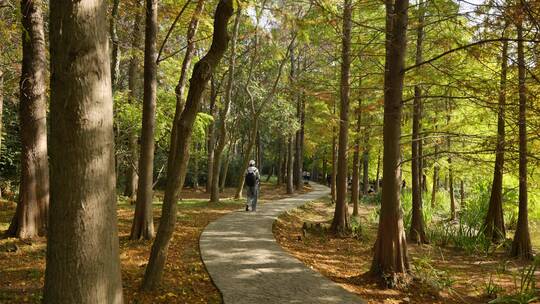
x: 252, y: 179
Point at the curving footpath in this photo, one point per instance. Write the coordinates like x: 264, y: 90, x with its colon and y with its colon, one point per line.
x: 248, y: 266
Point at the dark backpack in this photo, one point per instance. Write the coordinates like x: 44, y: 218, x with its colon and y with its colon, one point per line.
x: 250, y: 179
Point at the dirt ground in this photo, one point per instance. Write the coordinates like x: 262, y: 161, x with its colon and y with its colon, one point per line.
x: 22, y: 263
x: 443, y: 275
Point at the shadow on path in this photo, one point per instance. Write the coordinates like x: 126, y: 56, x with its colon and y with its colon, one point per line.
x: 248, y: 266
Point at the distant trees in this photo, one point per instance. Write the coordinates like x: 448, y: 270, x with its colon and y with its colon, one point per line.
x: 83, y: 262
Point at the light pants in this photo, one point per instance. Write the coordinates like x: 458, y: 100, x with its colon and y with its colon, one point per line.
x: 252, y: 193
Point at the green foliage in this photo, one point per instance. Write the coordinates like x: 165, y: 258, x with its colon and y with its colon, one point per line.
x: 424, y: 270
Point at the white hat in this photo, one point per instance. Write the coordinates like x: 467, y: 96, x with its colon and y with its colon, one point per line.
x: 252, y: 162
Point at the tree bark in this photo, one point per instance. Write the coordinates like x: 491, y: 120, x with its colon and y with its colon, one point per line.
x: 494, y: 227
x: 521, y: 246
x: 390, y: 258
x: 417, y: 231
x: 83, y: 263
x: 290, y: 165
x: 365, y: 168
x: 211, y: 142
x: 143, y: 222
x: 378, y: 175
x: 334, y: 163
x: 280, y: 162
x: 450, y: 179
x: 1, y: 107
x: 355, y: 188
x: 340, y: 222
x: 132, y: 175
x: 180, y: 142
x: 225, y: 170
x: 223, y: 136
x: 30, y: 219
x: 435, y: 186
x: 115, y: 45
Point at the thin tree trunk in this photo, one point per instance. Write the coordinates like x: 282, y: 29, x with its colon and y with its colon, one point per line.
x: 211, y: 142
x: 494, y: 227
x: 132, y: 176
x: 180, y: 142
x: 223, y: 136
x: 390, y: 258
x: 435, y: 186
x: 450, y: 179
x: 355, y: 188
x: 334, y: 164
x: 340, y: 222
x: 115, y: 45
x: 83, y: 261
x: 521, y: 246
x: 290, y: 181
x: 365, y: 168
x: 230, y: 154
x: 30, y: 219
x: 195, y: 177
x: 417, y: 231
x: 378, y: 175
x: 143, y: 222
x: 280, y: 161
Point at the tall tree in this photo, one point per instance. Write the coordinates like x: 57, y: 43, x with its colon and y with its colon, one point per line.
x: 340, y: 222
x: 290, y: 166
x: 143, y: 222
x: 115, y: 44
x: 521, y: 246
x: 450, y: 179
x: 132, y: 175
x: 180, y: 143
x: 355, y: 188
x: 83, y: 262
x: 494, y: 222
x: 390, y: 252
x: 30, y: 219
x: 224, y: 112
x: 417, y: 231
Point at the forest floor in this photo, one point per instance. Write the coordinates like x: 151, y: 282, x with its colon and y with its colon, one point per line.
x: 22, y: 263
x: 444, y: 275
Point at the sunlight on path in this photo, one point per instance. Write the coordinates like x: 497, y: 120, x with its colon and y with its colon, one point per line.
x: 248, y: 266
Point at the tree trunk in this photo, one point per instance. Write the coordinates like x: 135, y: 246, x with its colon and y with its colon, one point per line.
x: 450, y: 179
x: 132, y: 176
x: 417, y: 232
x: 180, y: 142
x: 334, y: 165
x: 355, y: 188
x: 115, y: 45
x: 280, y: 161
x: 223, y: 180
x: 1, y: 108
x: 390, y: 258
x: 340, y: 222
x: 494, y: 224
x: 365, y: 168
x: 195, y: 180
x: 211, y: 142
x: 30, y: 219
x: 143, y: 222
x: 435, y: 186
x: 378, y: 175
x: 521, y: 246
x: 83, y: 262
x: 290, y: 172
x: 223, y: 136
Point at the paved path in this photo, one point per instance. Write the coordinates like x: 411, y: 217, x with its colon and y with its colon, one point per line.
x: 248, y: 266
